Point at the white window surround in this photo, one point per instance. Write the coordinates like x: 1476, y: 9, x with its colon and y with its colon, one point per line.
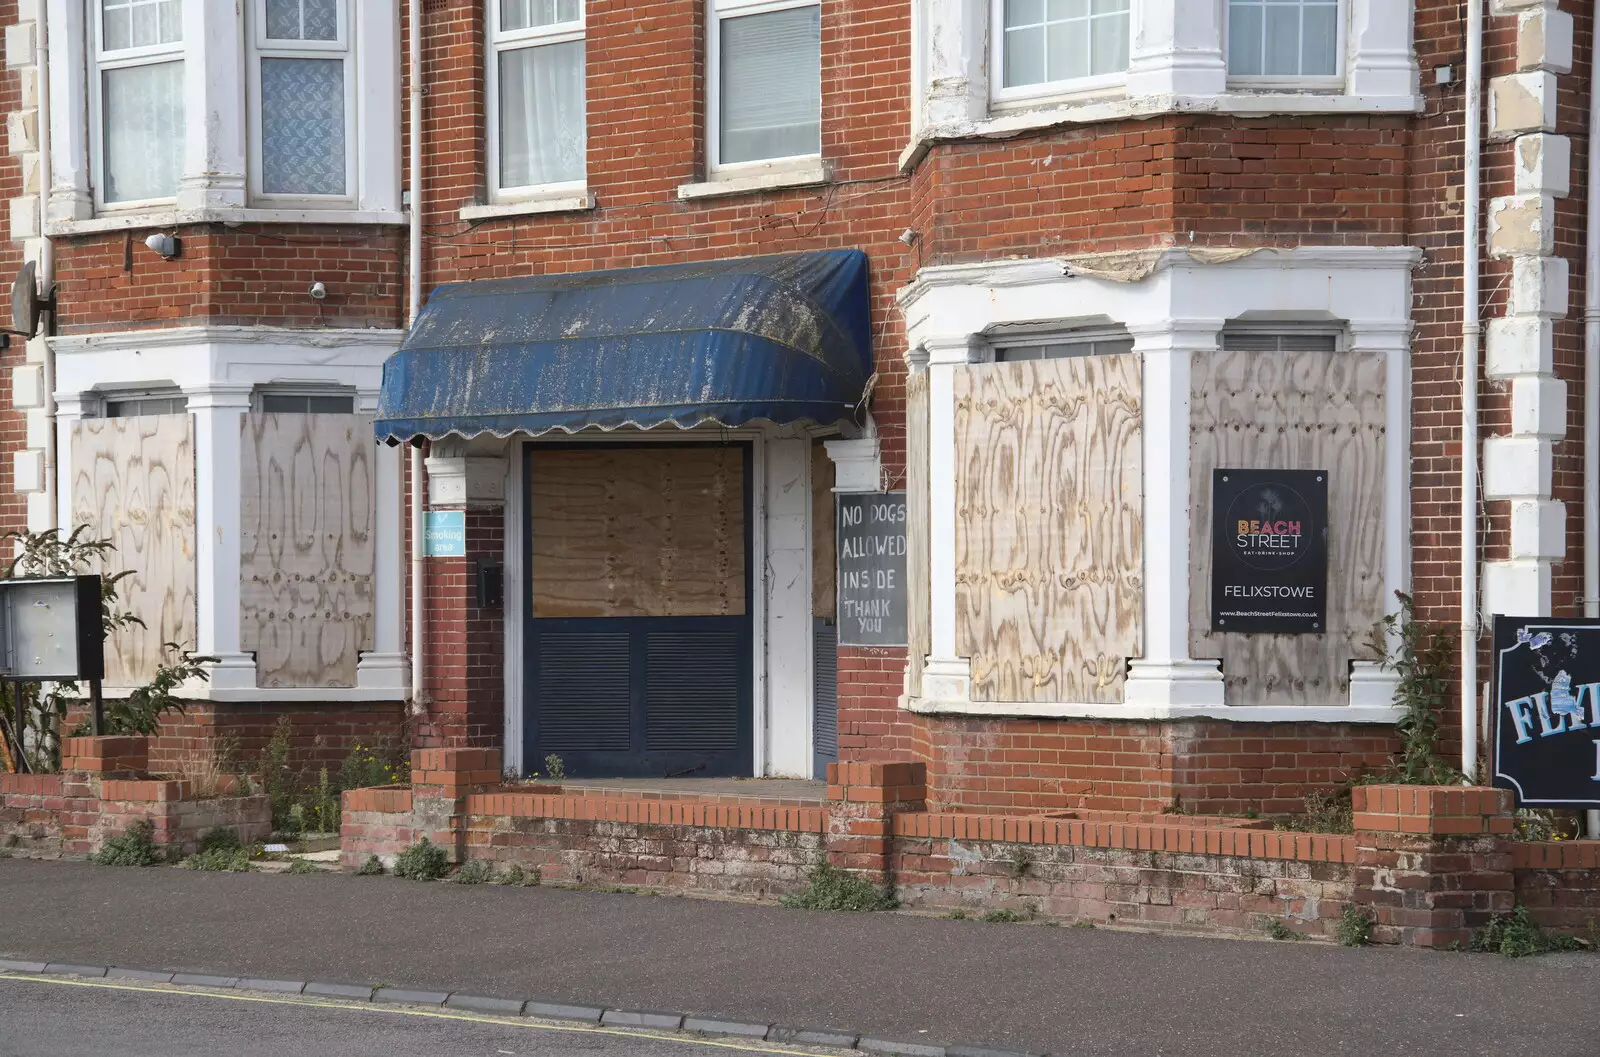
x: 214, y: 184
x: 568, y: 196
x: 1268, y: 82
x: 262, y: 49
x: 219, y: 369
x: 1177, y: 64
x: 954, y: 313
x: 736, y: 177
x: 1081, y: 88
x: 108, y: 60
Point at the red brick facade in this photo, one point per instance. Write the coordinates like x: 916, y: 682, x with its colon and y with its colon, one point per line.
x: 1176, y: 179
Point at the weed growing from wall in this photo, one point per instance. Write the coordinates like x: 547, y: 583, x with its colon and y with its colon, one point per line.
x: 135, y: 846
x: 830, y: 888
x: 423, y: 861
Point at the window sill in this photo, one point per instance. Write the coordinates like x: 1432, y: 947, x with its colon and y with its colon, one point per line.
x: 808, y: 174
x: 170, y: 218
x: 1380, y: 714
x: 576, y: 202
x: 1005, y: 123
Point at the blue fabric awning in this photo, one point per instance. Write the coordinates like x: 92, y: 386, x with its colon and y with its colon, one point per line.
x: 783, y: 339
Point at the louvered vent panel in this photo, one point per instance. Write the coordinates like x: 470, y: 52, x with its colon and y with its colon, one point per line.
x: 825, y: 693
x: 583, y: 703
x: 692, y: 692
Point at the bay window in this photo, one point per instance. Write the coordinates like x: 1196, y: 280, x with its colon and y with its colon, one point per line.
x: 1044, y: 45
x: 537, y: 111
x: 302, y: 95
x: 765, y: 72
x: 137, y: 95
x: 1278, y: 40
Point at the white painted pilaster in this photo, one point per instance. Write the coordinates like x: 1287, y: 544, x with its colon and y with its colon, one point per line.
x: 1166, y: 674
x: 947, y: 676
x: 219, y: 411
x: 787, y: 494
x: 213, y: 88
x: 385, y: 666
x: 954, y: 65
x: 1380, y: 54
x: 1177, y: 48
x: 70, y: 198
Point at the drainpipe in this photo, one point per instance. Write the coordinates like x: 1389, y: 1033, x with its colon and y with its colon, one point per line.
x: 1469, y: 390
x: 1591, y: 377
x: 47, y: 264
x: 414, y: 306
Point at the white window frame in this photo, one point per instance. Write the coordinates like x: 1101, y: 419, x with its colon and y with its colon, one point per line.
x: 258, y: 398
x: 1074, y: 88
x: 260, y: 47
x: 1334, y: 82
x: 716, y: 11
x: 499, y: 42
x: 1000, y: 340
x: 106, y: 397
x: 100, y: 61
x: 1285, y: 329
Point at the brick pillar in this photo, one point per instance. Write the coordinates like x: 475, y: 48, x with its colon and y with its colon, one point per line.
x: 85, y: 761
x: 441, y: 781
x: 863, y: 799
x: 465, y: 657
x: 1433, y: 863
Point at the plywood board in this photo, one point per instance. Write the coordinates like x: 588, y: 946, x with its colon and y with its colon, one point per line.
x: 133, y: 483
x: 307, y: 547
x: 1295, y: 411
x: 638, y: 531
x: 1049, y: 527
x: 919, y: 632
x: 824, y: 560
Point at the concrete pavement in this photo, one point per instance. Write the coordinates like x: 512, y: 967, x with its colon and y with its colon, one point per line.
x: 1077, y: 992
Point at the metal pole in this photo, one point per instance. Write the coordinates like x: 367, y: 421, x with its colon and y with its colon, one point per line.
x: 19, y: 730
x: 97, y: 704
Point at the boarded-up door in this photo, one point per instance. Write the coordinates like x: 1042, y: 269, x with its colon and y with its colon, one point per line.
x: 639, y: 642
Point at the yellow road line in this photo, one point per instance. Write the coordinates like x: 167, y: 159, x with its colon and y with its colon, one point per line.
x: 351, y: 1007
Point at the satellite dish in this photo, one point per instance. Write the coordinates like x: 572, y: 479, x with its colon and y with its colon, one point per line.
x: 26, y: 304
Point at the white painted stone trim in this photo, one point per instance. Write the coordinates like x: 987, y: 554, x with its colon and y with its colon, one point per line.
x: 1384, y: 714
x: 857, y: 463
x: 766, y: 177
x: 565, y: 203
x: 138, y: 221
x: 1176, y: 309
x: 218, y: 368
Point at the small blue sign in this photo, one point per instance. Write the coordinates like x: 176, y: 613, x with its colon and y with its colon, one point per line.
x: 445, y: 534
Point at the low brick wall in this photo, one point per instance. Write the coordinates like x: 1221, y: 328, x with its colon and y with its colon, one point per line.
x: 1559, y: 883
x: 102, y: 791
x: 1428, y: 864
x: 1179, y: 875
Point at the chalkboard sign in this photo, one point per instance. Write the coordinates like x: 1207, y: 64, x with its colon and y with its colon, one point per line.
x: 1547, y: 730
x: 1269, y: 551
x: 872, y: 569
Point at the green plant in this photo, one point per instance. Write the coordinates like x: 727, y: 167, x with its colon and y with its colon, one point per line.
x: 957, y: 915
x: 1355, y: 926
x: 379, y: 764
x: 1003, y: 917
x: 220, y: 839
x: 321, y: 807
x: 830, y: 888
x: 475, y: 872
x: 1517, y: 935
x: 1421, y: 654
x: 554, y: 768
x: 423, y: 861
x: 1542, y: 825
x: 278, y: 779
x: 302, y: 866
x: 50, y: 554
x: 1278, y: 930
x: 135, y: 846
x: 219, y: 860
x: 1325, y: 812
x: 373, y: 867
x: 1020, y: 861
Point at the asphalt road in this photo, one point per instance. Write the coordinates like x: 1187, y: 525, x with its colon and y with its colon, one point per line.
x: 1071, y: 992
x: 69, y: 1019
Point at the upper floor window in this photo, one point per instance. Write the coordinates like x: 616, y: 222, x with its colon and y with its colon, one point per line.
x: 1071, y: 44
x: 1284, y: 39
x: 291, y: 401
x: 537, y: 134
x: 137, y: 100
x: 766, y: 81
x: 135, y: 404
x: 302, y: 121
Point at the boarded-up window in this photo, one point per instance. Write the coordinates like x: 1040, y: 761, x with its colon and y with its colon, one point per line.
x: 638, y: 531
x: 1049, y: 527
x: 133, y: 483
x: 307, y: 547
